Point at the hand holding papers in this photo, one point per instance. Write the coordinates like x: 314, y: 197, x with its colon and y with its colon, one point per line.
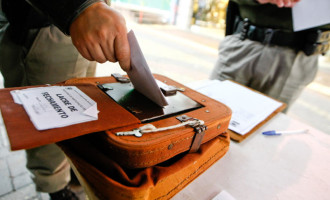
x: 140, y: 74
x: 56, y: 106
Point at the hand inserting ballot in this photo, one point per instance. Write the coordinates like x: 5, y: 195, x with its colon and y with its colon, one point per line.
x: 99, y: 33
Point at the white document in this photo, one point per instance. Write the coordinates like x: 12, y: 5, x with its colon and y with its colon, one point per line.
x: 56, y: 106
x: 310, y: 13
x: 249, y: 108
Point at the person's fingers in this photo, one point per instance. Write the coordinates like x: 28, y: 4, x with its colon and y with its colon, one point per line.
x: 101, y: 32
x: 108, y: 50
x: 96, y: 52
x: 263, y: 1
x: 85, y: 53
x: 279, y: 3
x: 122, y: 51
x: 287, y: 3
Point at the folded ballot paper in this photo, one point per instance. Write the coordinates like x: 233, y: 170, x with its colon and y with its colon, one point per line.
x: 140, y: 74
x: 56, y: 106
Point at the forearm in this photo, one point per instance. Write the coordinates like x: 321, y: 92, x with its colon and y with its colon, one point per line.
x: 62, y: 12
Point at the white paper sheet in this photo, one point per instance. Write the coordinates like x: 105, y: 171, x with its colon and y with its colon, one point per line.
x: 56, y: 106
x: 249, y: 108
x: 310, y: 13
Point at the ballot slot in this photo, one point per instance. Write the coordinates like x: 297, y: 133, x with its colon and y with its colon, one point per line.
x: 143, y: 108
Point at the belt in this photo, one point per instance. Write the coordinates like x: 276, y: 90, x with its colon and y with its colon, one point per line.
x: 312, y: 41
x: 266, y: 35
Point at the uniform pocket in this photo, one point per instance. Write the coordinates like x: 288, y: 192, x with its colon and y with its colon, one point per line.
x: 52, y: 58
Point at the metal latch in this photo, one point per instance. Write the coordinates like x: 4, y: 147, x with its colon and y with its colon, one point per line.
x: 199, y: 133
x: 120, y: 78
x: 170, y: 90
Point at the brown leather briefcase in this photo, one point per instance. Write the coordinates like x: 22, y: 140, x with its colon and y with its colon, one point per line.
x: 189, y: 120
x: 104, y: 179
x: 186, y: 138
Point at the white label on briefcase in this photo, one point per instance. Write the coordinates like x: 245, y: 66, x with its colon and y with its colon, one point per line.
x: 56, y: 106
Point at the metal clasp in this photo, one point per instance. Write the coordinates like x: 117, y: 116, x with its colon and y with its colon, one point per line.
x: 245, y: 29
x: 199, y: 129
x: 120, y: 78
x: 170, y: 90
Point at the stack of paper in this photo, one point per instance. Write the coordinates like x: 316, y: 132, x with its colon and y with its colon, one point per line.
x: 56, y: 106
x: 249, y: 108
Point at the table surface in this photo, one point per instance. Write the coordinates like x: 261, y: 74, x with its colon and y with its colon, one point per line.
x: 292, y: 166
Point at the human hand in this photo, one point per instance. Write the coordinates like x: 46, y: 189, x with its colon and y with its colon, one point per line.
x: 99, y: 33
x: 280, y: 3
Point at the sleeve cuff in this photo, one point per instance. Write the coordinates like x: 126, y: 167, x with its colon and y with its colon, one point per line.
x: 62, y: 13
x: 77, y: 12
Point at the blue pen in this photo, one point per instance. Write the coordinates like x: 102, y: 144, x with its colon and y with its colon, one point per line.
x: 273, y: 132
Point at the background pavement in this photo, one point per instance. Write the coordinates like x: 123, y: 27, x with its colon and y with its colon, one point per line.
x: 182, y: 55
